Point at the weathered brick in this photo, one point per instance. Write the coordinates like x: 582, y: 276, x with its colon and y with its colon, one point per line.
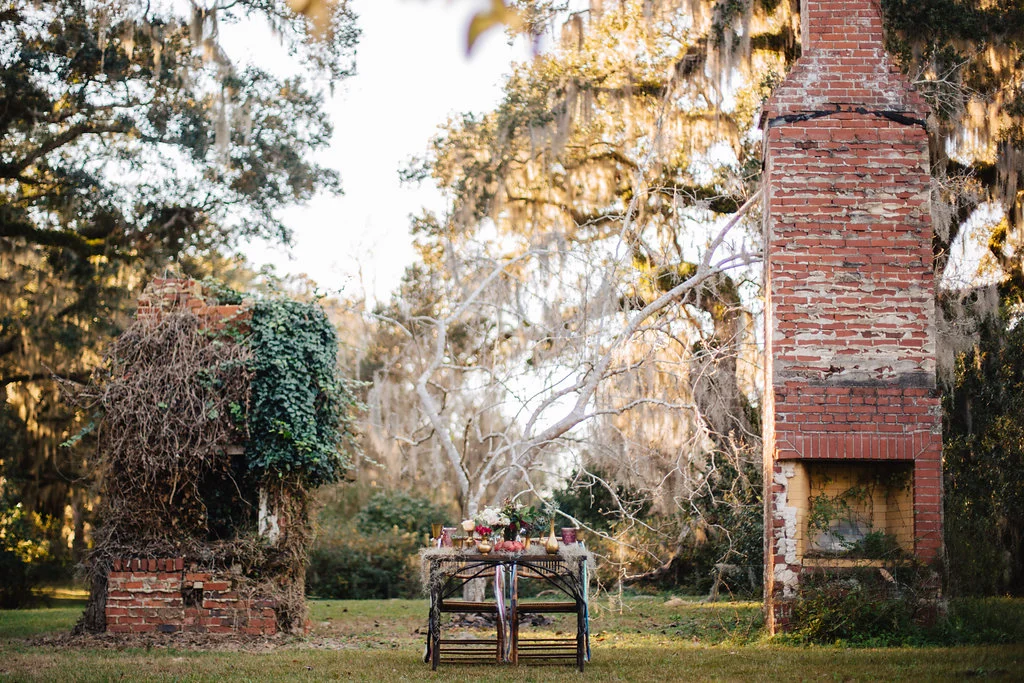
x: 850, y: 305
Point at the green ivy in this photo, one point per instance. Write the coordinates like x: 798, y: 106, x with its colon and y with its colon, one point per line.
x: 221, y: 293
x: 299, y: 422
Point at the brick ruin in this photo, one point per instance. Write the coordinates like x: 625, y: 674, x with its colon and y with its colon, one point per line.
x: 850, y: 322
x: 177, y: 594
x: 164, y: 595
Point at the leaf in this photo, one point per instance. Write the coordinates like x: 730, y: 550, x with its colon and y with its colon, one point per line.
x: 87, y: 429
x: 499, y: 14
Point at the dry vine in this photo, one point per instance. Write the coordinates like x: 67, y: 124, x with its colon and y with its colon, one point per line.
x: 165, y: 394
x: 170, y: 397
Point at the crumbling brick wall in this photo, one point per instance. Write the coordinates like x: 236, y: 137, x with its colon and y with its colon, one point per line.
x: 850, y: 319
x: 163, y: 595
x: 166, y: 294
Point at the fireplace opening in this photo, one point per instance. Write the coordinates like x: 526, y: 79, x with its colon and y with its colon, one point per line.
x: 856, y: 511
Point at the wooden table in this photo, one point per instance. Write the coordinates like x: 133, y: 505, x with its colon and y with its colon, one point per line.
x: 566, y: 572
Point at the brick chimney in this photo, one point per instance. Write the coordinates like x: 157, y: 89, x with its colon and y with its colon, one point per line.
x: 850, y: 400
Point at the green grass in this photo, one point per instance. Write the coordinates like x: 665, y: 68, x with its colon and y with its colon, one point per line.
x: 649, y: 640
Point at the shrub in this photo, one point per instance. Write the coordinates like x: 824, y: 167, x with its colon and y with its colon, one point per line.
x: 370, y: 551
x: 24, y: 552
x: 387, y: 510
x: 870, y: 606
x: 350, y: 565
x: 846, y: 610
x: 16, y: 587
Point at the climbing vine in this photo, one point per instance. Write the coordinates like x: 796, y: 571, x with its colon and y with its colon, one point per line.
x: 298, y: 420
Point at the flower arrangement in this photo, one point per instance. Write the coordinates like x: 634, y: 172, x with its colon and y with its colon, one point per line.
x: 490, y: 520
x: 510, y: 519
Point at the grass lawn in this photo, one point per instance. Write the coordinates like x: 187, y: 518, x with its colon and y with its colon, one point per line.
x: 652, y: 639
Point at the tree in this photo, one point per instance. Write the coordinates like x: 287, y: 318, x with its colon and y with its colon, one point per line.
x: 129, y: 139
x: 556, y: 279
x: 983, y: 462
x: 588, y: 193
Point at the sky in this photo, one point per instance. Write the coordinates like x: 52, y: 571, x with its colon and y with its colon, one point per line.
x: 412, y: 74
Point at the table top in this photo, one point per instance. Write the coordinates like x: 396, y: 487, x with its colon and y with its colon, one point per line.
x: 571, y: 555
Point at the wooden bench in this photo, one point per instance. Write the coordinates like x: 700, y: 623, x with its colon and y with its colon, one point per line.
x: 571, y: 648
x: 470, y: 650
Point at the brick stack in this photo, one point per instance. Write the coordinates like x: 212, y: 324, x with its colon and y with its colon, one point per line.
x: 850, y: 320
x: 168, y: 595
x: 167, y: 294
x: 162, y: 595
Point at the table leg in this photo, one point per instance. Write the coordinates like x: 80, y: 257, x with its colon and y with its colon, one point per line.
x: 513, y: 617
x: 434, y: 629
x: 580, y: 635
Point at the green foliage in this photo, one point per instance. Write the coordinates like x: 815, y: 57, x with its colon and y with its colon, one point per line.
x: 356, y: 566
x: 22, y: 542
x: 878, y: 545
x: 982, y: 621
x: 729, y: 507
x: 866, y: 608
x: 852, y: 610
x: 299, y: 422
x: 372, y: 552
x: 16, y: 588
x: 388, y: 510
x: 984, y: 464
x: 221, y: 293
x: 825, y: 510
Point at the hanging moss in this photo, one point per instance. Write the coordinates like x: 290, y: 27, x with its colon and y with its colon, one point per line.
x: 298, y: 420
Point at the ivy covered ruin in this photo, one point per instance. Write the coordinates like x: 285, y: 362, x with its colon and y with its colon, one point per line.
x: 215, y: 417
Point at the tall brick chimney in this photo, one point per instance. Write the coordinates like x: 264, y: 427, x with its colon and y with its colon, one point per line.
x: 851, y: 413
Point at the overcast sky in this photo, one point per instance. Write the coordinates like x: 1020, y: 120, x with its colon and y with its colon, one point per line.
x: 412, y: 74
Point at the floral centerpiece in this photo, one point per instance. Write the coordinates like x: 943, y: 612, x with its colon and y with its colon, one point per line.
x: 490, y: 521
x: 510, y: 520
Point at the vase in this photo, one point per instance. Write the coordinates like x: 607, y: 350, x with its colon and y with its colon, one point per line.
x: 510, y: 532
x: 551, y: 544
x: 484, y: 546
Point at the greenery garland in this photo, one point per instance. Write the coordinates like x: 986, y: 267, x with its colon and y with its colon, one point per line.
x: 299, y: 420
